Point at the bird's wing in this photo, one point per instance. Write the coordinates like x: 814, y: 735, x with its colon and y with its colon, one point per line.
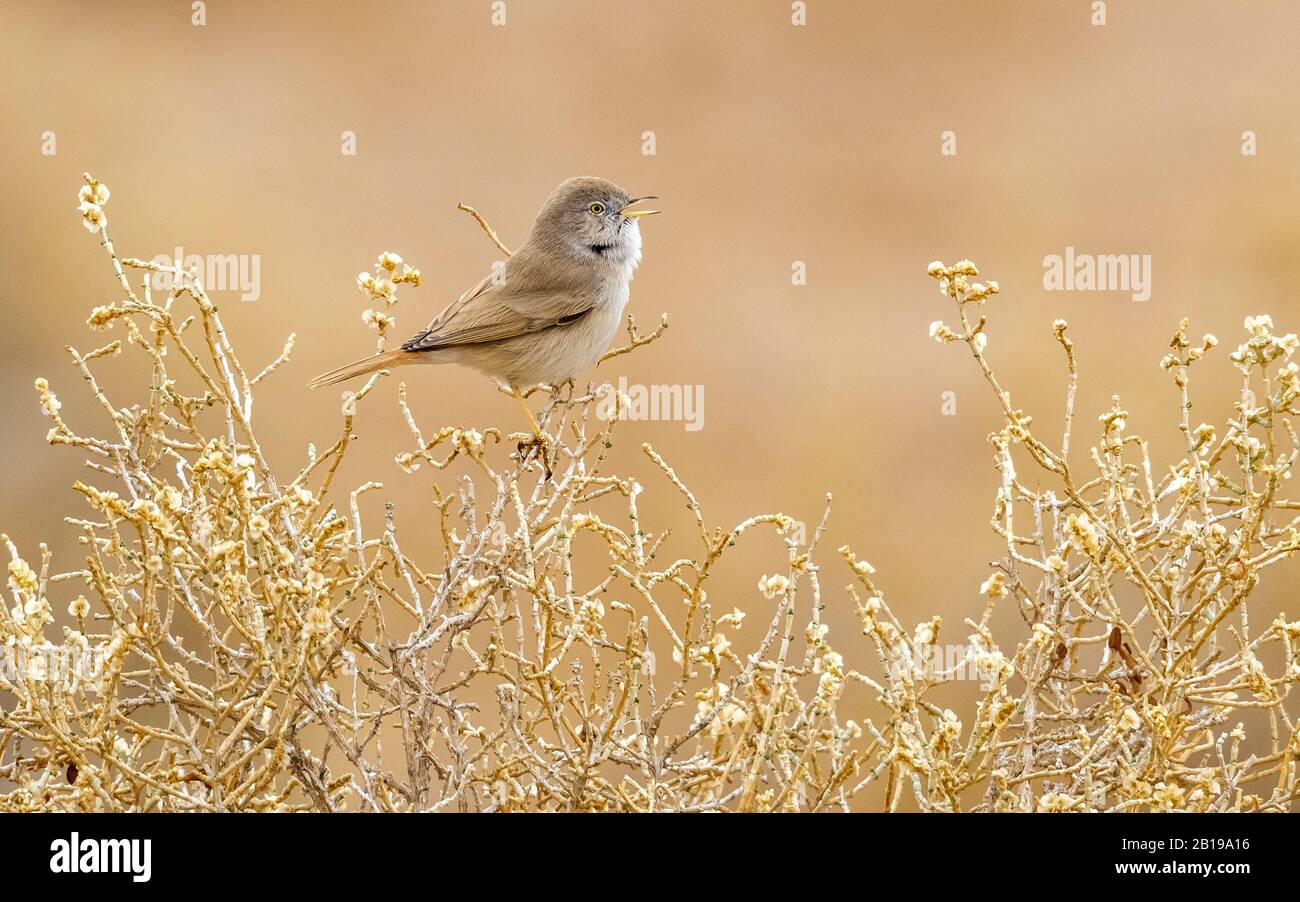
x: 448, y: 313
x: 491, y: 312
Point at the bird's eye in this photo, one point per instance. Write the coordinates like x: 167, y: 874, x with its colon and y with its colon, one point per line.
x: 598, y: 208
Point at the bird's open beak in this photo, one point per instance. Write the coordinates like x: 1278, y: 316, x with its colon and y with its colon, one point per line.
x: 631, y: 214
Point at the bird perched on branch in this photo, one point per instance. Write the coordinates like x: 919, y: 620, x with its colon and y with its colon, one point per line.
x: 551, y: 312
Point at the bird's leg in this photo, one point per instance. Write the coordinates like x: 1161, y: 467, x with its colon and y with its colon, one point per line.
x: 540, y: 439
x: 532, y: 420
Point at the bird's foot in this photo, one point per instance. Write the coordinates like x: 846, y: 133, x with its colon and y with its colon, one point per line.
x: 538, y: 441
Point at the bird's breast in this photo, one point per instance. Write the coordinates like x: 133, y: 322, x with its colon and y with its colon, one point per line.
x: 598, y: 328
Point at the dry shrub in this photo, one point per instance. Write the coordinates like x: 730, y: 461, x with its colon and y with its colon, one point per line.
x: 242, y: 640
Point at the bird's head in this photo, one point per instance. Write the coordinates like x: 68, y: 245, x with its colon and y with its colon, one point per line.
x: 592, y: 218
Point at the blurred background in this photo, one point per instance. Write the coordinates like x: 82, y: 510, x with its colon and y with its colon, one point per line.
x: 773, y: 144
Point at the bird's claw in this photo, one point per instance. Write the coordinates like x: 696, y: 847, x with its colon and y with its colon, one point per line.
x: 538, y: 440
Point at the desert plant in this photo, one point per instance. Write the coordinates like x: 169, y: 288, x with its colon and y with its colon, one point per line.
x: 242, y: 640
x: 1130, y: 582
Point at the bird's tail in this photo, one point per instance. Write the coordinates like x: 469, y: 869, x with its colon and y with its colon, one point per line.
x: 386, y: 360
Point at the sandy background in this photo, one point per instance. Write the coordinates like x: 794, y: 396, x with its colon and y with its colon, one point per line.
x: 774, y: 144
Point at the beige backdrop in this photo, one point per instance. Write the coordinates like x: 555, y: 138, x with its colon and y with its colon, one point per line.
x: 774, y: 144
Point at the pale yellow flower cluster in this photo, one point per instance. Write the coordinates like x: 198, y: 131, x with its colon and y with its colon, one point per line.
x: 381, y: 287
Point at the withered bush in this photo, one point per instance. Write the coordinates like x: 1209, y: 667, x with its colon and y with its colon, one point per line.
x: 249, y: 640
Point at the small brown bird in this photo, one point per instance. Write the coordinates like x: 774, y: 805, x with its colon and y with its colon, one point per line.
x: 553, y: 310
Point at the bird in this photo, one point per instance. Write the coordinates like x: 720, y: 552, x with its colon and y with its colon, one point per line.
x: 553, y: 309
